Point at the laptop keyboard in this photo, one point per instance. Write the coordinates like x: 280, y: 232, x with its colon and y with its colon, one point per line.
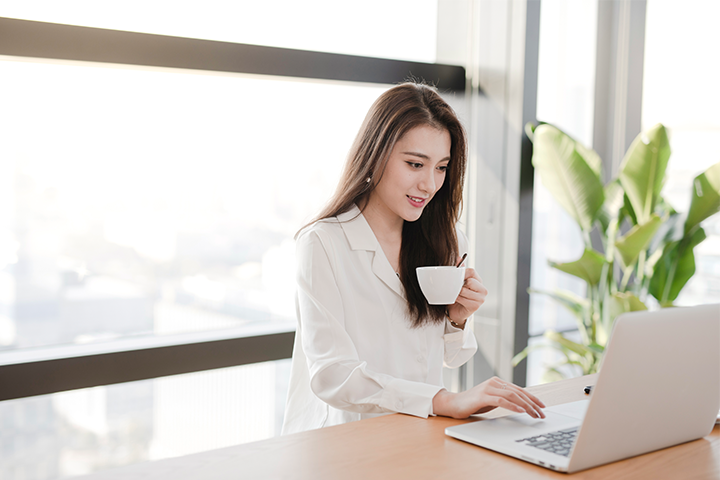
x: 559, y: 442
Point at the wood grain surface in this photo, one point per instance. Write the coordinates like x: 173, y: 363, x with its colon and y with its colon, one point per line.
x: 404, y: 447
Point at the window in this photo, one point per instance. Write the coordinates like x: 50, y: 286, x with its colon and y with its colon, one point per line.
x: 155, y: 202
x: 680, y: 91
x: 84, y: 431
x: 566, y: 77
x: 159, y: 205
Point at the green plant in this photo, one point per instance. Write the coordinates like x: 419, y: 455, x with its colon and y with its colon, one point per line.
x: 647, y: 245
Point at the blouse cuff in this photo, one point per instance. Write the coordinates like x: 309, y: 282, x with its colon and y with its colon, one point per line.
x: 412, y: 398
x: 451, y: 329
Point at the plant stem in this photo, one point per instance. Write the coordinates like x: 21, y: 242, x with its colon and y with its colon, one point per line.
x: 626, y: 277
x: 603, y: 294
x: 603, y: 281
x: 641, y: 267
x: 607, y: 281
x: 595, y: 316
x: 589, y: 320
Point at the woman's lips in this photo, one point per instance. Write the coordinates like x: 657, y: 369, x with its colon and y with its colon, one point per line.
x: 417, y: 201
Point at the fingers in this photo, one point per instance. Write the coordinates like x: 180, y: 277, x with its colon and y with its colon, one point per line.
x: 518, y: 399
x: 471, y: 297
x: 521, y: 404
x: 472, y: 273
x: 508, y: 405
x: 529, y: 406
x: 473, y: 291
x: 494, y: 393
x: 473, y: 282
x: 532, y: 397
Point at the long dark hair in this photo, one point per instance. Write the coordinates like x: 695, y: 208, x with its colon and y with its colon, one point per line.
x: 431, y: 240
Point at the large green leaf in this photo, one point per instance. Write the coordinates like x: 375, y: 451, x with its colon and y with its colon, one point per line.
x: 643, y: 170
x: 551, y: 375
x: 525, y: 352
x: 588, y: 154
x: 567, y: 174
x: 588, y: 267
x: 632, y: 243
x: 577, y: 305
x: 610, y: 210
x: 591, y: 158
x: 628, y: 211
x: 587, y: 355
x: 675, y: 268
x: 705, y: 197
x: 671, y: 230
x: 622, y: 302
x: 530, y: 130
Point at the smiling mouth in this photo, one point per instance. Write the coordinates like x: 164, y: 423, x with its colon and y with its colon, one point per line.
x: 417, y: 201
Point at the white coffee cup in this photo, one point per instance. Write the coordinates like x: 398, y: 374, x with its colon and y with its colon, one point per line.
x: 441, y: 285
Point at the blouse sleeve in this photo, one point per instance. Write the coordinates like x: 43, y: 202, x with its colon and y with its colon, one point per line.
x: 337, y: 375
x: 460, y: 344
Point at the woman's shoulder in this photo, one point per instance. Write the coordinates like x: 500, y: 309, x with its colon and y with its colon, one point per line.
x: 325, y: 231
x: 324, y: 225
x: 330, y: 226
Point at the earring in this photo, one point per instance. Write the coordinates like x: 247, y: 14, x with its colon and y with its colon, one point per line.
x: 367, y: 180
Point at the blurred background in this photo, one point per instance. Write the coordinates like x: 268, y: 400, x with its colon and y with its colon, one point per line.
x: 143, y: 205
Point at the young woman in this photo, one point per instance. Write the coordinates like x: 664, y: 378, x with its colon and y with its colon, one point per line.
x: 367, y: 341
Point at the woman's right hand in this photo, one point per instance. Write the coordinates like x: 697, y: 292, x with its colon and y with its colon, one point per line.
x: 487, y: 396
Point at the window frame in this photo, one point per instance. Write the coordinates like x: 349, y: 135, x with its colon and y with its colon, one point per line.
x: 38, y: 371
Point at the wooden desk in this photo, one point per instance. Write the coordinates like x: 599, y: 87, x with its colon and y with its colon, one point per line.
x: 405, y: 447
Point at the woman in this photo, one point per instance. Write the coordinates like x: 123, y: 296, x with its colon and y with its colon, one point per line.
x: 367, y: 342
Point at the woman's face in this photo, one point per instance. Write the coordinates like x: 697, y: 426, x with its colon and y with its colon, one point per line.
x: 415, y: 171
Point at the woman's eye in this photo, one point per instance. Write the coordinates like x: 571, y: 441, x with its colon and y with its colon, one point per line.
x: 443, y: 168
x: 415, y: 165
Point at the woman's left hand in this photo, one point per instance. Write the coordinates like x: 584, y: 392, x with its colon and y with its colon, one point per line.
x: 471, y: 296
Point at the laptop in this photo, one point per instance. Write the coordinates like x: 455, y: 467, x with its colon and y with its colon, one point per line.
x: 658, y: 386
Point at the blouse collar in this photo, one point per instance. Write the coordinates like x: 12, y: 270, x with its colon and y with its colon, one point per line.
x: 358, y: 231
x: 361, y: 237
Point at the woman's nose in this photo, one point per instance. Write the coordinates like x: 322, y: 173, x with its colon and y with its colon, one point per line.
x: 427, y: 184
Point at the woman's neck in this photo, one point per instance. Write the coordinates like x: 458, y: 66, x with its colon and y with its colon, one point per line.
x: 387, y: 228
x: 386, y: 225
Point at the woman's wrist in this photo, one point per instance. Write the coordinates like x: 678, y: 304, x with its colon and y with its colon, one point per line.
x: 457, y: 324
x: 461, y: 326
x: 446, y: 404
x: 440, y: 402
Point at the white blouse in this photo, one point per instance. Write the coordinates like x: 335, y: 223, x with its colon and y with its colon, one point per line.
x: 355, y: 354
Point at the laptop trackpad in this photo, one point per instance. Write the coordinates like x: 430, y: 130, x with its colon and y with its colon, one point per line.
x: 521, y: 425
x: 572, y: 409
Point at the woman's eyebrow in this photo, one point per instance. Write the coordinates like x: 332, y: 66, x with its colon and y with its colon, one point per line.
x: 423, y: 156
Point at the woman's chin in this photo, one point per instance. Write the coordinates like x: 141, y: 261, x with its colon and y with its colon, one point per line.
x: 413, y: 216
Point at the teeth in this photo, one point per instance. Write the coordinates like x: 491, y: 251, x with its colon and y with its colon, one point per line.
x: 416, y: 199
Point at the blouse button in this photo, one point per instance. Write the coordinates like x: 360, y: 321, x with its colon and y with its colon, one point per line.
x: 420, y: 359
x: 398, y: 405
